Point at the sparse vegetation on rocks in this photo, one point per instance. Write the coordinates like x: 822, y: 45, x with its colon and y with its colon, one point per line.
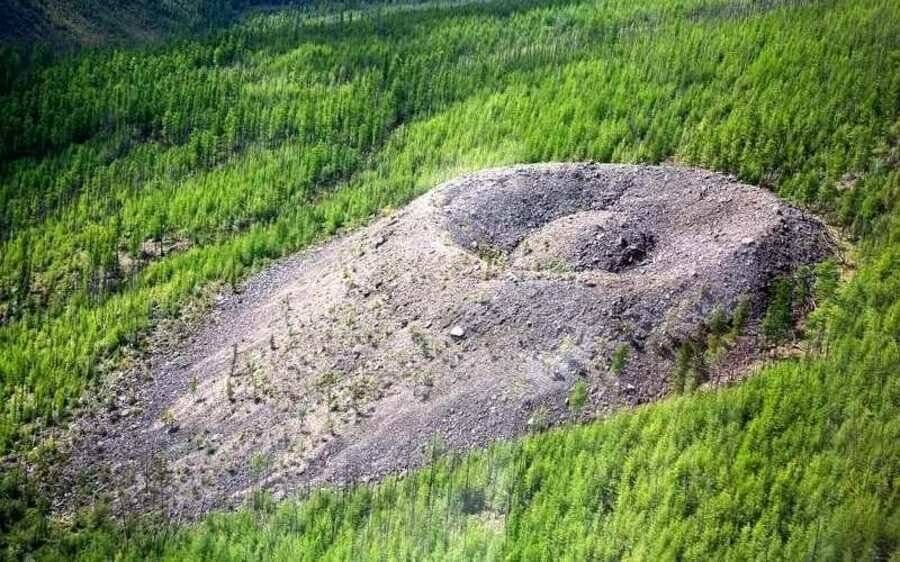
x: 449, y: 367
x: 619, y: 359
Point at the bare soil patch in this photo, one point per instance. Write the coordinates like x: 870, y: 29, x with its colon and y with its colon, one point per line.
x: 466, y: 317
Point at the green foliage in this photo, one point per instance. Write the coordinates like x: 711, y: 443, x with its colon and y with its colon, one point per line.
x: 540, y: 419
x: 740, y: 317
x: 578, y: 396
x: 777, y: 324
x: 133, y: 179
x: 795, y: 463
x: 23, y: 522
x: 718, y: 322
x: 63, y: 24
x: 259, y: 463
x: 717, y: 328
x: 119, y: 203
x: 689, y: 367
x: 827, y: 278
x: 619, y: 359
x: 168, y: 418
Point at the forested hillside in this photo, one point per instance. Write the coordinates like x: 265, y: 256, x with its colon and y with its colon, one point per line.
x: 134, y: 181
x: 64, y: 24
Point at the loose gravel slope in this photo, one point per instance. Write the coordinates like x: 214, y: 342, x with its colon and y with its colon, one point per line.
x: 466, y: 317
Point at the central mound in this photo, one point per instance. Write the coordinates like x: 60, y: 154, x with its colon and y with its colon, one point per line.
x: 466, y: 317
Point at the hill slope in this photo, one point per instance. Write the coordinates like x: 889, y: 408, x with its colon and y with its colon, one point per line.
x: 134, y: 182
x: 70, y: 23
x: 465, y: 317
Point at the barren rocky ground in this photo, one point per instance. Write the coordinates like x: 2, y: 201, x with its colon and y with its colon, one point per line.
x: 466, y: 317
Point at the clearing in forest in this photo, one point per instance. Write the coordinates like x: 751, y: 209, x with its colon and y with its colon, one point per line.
x: 500, y: 302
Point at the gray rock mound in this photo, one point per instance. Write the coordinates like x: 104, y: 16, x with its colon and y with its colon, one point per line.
x: 465, y: 317
x: 584, y: 241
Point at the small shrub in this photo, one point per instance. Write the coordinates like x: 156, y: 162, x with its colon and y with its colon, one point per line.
x: 718, y: 322
x: 740, y: 317
x: 619, y: 359
x: 716, y: 346
x: 688, y: 368
x: 326, y: 380
x: 437, y: 448
x: 555, y: 265
x: 803, y: 281
x: 263, y: 502
x: 168, y: 418
x: 827, y: 278
x: 493, y: 259
x: 717, y: 328
x: 471, y: 501
x: 259, y: 463
x: 578, y: 396
x: 422, y: 342
x: 540, y: 419
x: 777, y: 323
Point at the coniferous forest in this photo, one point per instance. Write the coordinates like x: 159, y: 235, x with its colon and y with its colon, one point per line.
x: 137, y: 180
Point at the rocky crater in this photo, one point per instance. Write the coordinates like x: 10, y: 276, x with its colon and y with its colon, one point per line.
x: 466, y: 317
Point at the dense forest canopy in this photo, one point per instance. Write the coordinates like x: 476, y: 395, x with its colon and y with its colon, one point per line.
x: 133, y: 181
x: 63, y: 24
x: 70, y: 25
